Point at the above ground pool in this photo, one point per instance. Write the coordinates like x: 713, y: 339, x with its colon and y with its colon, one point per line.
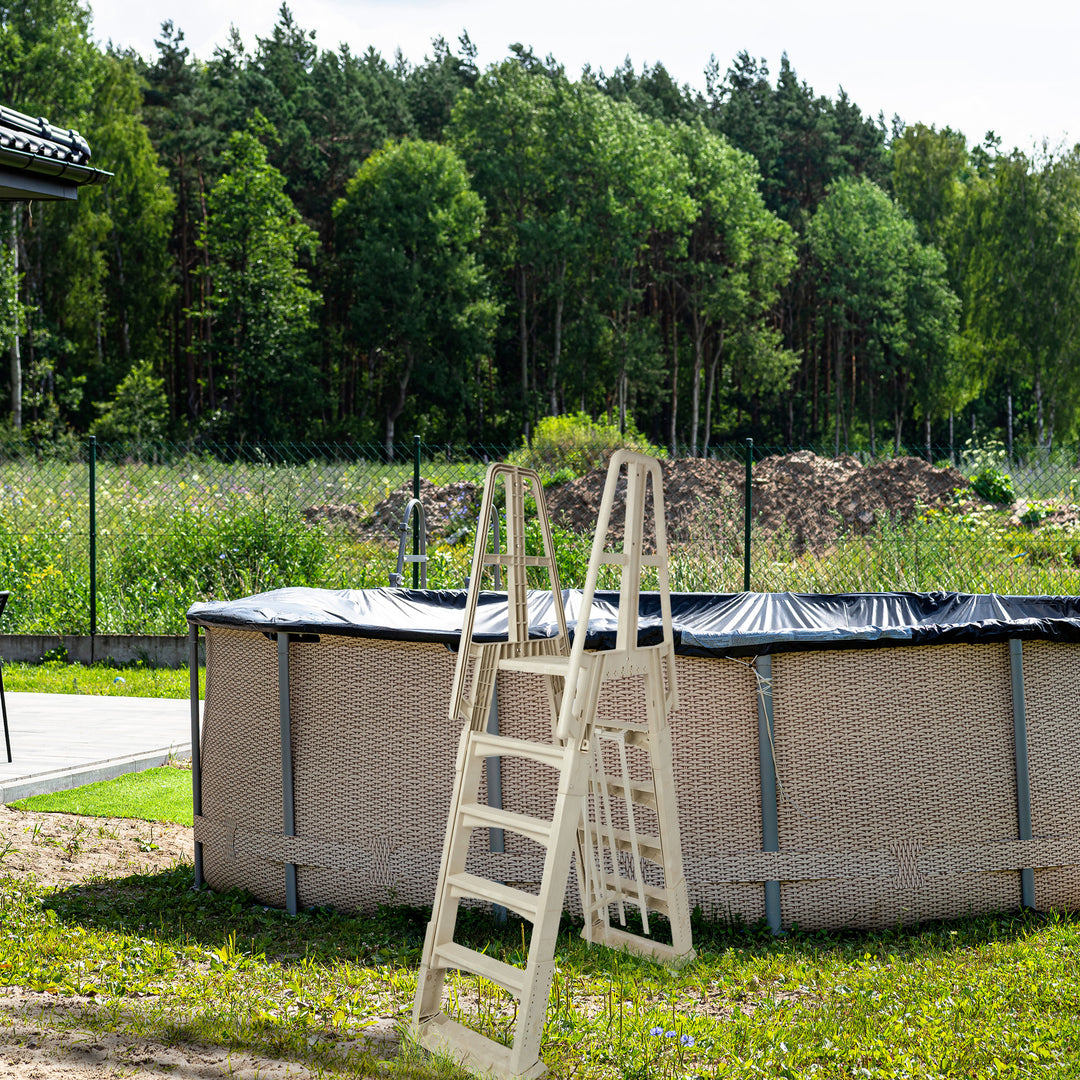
x: 850, y: 760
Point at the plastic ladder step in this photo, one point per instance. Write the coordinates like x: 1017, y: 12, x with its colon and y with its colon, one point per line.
x: 642, y: 793
x: 481, y: 888
x: 549, y: 664
x: 480, y: 815
x: 650, y: 847
x: 655, y: 896
x: 453, y: 955
x: 488, y: 745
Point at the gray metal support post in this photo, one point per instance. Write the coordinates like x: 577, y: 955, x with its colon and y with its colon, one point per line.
x: 747, y: 502
x: 770, y: 826
x: 1023, y: 780
x: 287, y: 803
x: 416, y: 522
x: 93, y: 543
x: 196, y: 744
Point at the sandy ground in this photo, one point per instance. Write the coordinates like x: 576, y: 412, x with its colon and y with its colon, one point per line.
x: 40, y: 1038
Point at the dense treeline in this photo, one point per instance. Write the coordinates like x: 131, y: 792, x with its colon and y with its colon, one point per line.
x: 310, y: 243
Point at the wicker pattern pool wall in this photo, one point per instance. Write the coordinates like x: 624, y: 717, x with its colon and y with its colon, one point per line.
x: 895, y: 792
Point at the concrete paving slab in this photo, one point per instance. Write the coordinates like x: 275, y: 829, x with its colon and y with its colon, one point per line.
x: 62, y: 741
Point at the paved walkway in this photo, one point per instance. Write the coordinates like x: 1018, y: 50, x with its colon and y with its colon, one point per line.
x: 61, y: 741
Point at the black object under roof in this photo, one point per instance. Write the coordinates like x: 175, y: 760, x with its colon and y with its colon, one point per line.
x: 705, y: 624
x: 42, y: 162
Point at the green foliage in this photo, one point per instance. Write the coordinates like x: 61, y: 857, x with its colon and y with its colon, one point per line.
x: 138, y: 410
x: 1035, y: 513
x: 993, y: 484
x: 888, y: 302
x: 1021, y: 288
x: 408, y: 228
x: 564, y: 447
x: 259, y: 302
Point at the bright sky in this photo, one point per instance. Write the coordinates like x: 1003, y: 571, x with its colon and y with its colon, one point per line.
x: 972, y: 66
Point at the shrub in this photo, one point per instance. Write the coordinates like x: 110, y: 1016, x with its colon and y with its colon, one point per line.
x: 565, y: 447
x: 994, y: 484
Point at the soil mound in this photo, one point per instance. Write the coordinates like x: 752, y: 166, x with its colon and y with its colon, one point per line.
x: 813, y: 499
x: 818, y: 499
x: 449, y: 513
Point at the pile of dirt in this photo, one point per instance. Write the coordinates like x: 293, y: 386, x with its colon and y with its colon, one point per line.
x: 817, y: 499
x: 813, y: 499
x: 449, y: 513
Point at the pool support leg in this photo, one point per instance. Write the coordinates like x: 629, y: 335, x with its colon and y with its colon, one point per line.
x: 196, y: 746
x: 1023, y: 779
x: 770, y: 828
x: 287, y: 804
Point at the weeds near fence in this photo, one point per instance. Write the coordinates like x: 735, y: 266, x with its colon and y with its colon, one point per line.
x: 181, y: 528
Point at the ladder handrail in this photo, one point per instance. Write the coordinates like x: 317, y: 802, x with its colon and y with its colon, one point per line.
x: 627, y: 634
x: 413, y: 505
x: 516, y: 475
x: 493, y: 528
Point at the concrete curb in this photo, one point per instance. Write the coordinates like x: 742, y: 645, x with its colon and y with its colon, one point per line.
x: 158, y: 650
x: 91, y: 773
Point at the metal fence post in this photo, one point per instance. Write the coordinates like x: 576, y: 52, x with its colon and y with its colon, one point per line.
x: 416, y: 519
x: 93, y: 543
x: 746, y: 521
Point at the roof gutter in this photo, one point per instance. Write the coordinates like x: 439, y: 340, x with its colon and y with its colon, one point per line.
x: 36, y: 163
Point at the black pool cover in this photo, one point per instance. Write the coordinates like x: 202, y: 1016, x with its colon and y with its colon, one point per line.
x: 706, y: 624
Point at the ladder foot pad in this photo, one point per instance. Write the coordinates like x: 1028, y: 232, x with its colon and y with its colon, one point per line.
x: 644, y: 947
x: 475, y: 1051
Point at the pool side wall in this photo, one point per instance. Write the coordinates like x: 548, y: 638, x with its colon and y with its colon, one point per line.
x: 895, y: 770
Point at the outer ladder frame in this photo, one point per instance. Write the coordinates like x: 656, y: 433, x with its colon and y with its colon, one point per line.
x: 574, y: 680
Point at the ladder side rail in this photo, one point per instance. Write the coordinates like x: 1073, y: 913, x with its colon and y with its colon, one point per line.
x: 605, y: 832
x: 517, y: 591
x: 663, y: 583
x: 431, y: 976
x: 633, y: 545
x: 570, y: 806
x: 589, y: 854
x: 549, y: 551
x: 667, y: 810
x: 639, y: 865
x: 457, y: 689
x: 412, y: 506
x: 596, y: 558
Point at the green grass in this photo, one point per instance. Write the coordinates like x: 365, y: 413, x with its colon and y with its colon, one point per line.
x: 162, y: 794
x: 113, y: 680
x: 988, y: 996
x: 994, y: 996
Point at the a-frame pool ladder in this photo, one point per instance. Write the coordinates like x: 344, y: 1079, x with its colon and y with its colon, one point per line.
x: 610, y: 870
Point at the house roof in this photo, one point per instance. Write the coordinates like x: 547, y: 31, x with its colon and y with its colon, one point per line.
x: 40, y: 161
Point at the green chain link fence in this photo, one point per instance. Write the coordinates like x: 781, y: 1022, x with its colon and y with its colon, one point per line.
x: 175, y: 524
